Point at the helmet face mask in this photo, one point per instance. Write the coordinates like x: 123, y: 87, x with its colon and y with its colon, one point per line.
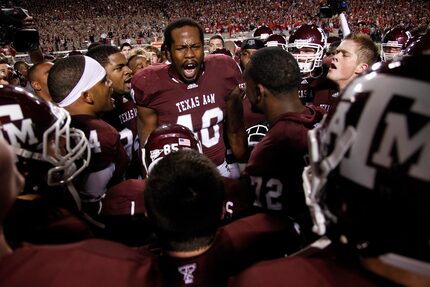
x: 368, y: 178
x: 395, y: 39
x: 39, y: 131
x: 166, y: 139
x: 308, y: 38
x: 256, y: 133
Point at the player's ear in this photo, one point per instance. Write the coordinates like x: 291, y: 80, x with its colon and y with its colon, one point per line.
x: 169, y: 56
x: 87, y: 97
x: 361, y: 68
x: 35, y: 85
x: 261, y: 90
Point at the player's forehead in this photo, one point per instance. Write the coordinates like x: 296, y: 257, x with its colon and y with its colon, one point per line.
x: 186, y: 35
x: 215, y: 41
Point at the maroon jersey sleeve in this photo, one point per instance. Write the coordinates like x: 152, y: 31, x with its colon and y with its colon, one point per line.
x: 88, y: 263
x: 200, y: 106
x: 106, y: 147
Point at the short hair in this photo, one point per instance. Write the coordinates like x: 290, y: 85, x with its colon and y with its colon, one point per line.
x: 183, y: 197
x: 182, y: 22
x: 135, y: 57
x: 64, y: 76
x: 217, y: 37
x: 101, y: 53
x: 19, y: 64
x: 125, y: 44
x: 93, y: 45
x: 154, y: 49
x: 367, y: 51
x: 274, y: 68
x: 137, y: 51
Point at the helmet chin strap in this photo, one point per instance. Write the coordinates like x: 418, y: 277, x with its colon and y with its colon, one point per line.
x: 72, y: 190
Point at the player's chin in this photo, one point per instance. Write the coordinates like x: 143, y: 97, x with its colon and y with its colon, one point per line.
x: 189, y: 80
x: 331, y: 75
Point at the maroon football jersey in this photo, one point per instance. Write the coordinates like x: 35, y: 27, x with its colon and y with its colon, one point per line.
x: 237, y: 198
x: 200, y: 106
x: 319, y: 92
x: 237, y: 245
x: 276, y: 163
x: 106, y: 147
x: 124, y: 119
x: 124, y: 198
x: 87, y: 263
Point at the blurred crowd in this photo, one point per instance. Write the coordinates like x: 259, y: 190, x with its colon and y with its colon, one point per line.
x: 64, y: 25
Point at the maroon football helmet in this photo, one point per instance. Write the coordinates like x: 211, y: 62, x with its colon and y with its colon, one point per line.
x: 48, y: 149
x: 312, y: 39
x: 393, y: 42
x: 275, y: 40
x: 166, y: 139
x: 369, y: 179
x: 420, y: 46
x: 262, y: 32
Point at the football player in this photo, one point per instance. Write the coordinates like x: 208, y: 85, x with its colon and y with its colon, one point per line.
x: 51, y: 156
x: 169, y: 138
x: 355, y: 54
x: 184, y: 197
x: 85, y: 263
x: 192, y: 91
x: 124, y: 116
x: 272, y: 78
x: 86, y: 94
x: 307, y: 45
x: 394, y: 42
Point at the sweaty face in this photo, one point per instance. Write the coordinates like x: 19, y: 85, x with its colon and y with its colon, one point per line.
x: 101, y: 92
x: 119, y: 73
x: 344, y: 63
x: 187, y: 53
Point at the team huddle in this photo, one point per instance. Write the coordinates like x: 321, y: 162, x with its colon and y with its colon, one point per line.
x: 300, y: 162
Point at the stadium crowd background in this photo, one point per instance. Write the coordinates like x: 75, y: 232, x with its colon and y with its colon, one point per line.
x: 72, y: 25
